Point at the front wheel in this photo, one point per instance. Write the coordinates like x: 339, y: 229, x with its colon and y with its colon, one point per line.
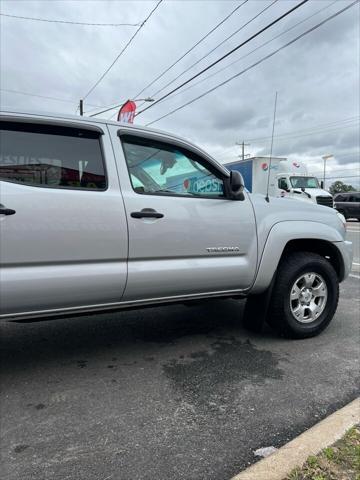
x: 305, y: 295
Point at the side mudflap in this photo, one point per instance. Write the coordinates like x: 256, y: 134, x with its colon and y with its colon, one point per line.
x: 257, y: 309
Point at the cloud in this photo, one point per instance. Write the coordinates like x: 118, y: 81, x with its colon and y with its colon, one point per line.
x: 317, y: 78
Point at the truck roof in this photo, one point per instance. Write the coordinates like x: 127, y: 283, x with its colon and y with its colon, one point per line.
x: 71, y: 118
x: 85, y: 121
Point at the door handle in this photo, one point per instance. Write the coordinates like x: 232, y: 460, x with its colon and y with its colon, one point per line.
x: 147, y: 213
x: 6, y: 211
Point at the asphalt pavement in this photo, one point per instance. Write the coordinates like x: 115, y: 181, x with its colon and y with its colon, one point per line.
x: 165, y: 393
x: 353, y: 234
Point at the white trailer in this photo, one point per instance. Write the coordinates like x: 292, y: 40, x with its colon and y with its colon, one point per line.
x: 286, y: 178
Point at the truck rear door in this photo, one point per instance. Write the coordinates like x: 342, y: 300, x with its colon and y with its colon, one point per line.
x: 63, y: 228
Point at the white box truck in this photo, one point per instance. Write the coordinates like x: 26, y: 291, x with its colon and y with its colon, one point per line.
x: 287, y: 178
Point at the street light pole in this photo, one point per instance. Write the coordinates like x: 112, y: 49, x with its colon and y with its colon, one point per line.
x: 326, y: 157
x: 148, y: 99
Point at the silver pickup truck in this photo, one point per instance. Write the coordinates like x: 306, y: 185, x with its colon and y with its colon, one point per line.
x: 97, y: 215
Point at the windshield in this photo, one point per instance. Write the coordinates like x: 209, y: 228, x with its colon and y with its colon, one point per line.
x: 304, y: 182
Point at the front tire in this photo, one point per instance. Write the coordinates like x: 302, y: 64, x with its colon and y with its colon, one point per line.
x: 305, y: 295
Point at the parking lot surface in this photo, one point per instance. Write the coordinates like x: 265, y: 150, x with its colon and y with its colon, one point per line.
x: 165, y: 393
x: 353, y: 234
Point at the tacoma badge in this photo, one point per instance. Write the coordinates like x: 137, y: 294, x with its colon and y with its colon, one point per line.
x: 222, y: 249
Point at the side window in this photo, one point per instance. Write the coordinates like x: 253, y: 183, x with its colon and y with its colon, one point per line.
x: 340, y: 198
x: 282, y: 183
x: 50, y: 156
x: 157, y: 168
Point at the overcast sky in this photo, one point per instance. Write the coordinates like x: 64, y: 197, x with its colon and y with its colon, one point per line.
x: 317, y: 78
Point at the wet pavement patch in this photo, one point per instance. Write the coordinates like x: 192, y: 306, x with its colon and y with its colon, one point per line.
x: 20, y: 448
x: 217, y: 374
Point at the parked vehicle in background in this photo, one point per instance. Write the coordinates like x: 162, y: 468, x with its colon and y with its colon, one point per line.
x: 98, y: 215
x: 348, y: 203
x: 286, y: 179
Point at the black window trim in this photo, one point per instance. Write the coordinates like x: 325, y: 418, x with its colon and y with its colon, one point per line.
x: 280, y: 180
x: 209, y: 166
x: 41, y: 125
x: 53, y: 122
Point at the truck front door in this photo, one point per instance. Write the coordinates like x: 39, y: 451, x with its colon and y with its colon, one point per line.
x: 185, y: 236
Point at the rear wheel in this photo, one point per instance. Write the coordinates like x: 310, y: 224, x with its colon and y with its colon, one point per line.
x: 305, y: 295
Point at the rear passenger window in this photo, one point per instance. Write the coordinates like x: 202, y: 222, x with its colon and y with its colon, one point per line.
x: 51, y: 156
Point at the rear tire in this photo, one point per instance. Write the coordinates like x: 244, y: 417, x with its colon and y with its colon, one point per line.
x: 305, y: 295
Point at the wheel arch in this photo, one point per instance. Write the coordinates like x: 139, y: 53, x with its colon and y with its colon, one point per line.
x: 295, y: 236
x: 322, y: 247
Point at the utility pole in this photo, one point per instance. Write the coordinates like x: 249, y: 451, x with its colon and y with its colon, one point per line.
x: 81, y: 107
x: 243, y: 145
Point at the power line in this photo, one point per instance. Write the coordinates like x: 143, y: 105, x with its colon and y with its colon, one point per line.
x: 337, y: 122
x: 337, y: 156
x: 318, y: 132
x: 256, y: 63
x: 122, y: 51
x: 281, y: 138
x: 341, y: 176
x: 69, y: 22
x: 215, y: 48
x: 355, y: 118
x: 252, y: 51
x: 290, y: 137
x: 227, y: 54
x: 122, y: 103
x: 95, y: 111
x: 199, y: 60
x: 344, y: 170
x: 18, y: 92
x: 192, y: 48
x: 112, y: 107
x: 341, y: 155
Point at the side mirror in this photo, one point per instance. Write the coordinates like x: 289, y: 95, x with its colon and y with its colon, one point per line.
x: 236, y: 183
x: 322, y: 184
